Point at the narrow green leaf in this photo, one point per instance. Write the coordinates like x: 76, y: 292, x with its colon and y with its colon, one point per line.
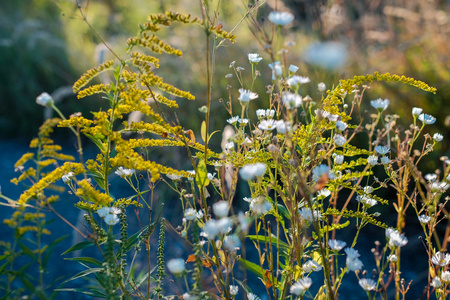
x: 50, y: 249
x: 79, y: 246
x: 253, y: 267
x: 88, y: 260
x: 96, y: 141
x: 83, y: 273
x: 203, y: 131
x: 202, y: 174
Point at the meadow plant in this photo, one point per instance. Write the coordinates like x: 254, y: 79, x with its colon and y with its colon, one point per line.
x: 314, y: 189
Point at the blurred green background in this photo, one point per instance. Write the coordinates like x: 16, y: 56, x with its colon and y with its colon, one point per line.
x: 45, y: 46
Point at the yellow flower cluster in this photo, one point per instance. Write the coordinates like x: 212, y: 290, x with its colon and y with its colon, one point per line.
x: 139, y: 58
x: 47, y: 162
x: 31, y: 172
x: 90, y: 74
x: 50, y: 178
x: 168, y: 102
x: 174, y: 91
x: 86, y: 206
x: 90, y: 194
x: 76, y: 121
x: 33, y: 216
x: 152, y: 42
x: 127, y: 202
x: 25, y: 229
x: 94, y: 89
x: 149, y: 127
x: 25, y: 157
x: 47, y: 128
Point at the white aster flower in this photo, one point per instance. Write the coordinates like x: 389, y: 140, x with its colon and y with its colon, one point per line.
x: 336, y: 244
x: 267, y: 124
x: 210, y: 229
x: 366, y: 200
x: 392, y: 258
x: 260, y: 205
x: 293, y: 68
x: 339, y: 140
x: 260, y: 113
x: 367, y: 284
x: 295, y: 81
x: 291, y: 100
x: 441, y: 259
x: 416, y: 111
x: 233, y: 120
x: 382, y: 150
x: 338, y: 159
x: 436, y: 282
x: 424, y: 219
x: 44, y: 99
x: 224, y: 225
x: 282, y: 126
x: 173, y: 177
x: 67, y: 177
x: 221, y: 209
x: 396, y: 238
x: 307, y: 214
x: 354, y: 264
x: 438, y: 137
x: 372, y: 160
x: 311, y: 266
x: 321, y: 87
x: 299, y: 287
x: 351, y: 253
x: 251, y: 296
x: 176, y: 266
x: 431, y: 177
x: 380, y: 104
x: 186, y: 296
x: 323, y: 193
x: 103, y: 212
x: 243, y: 121
x: 229, y: 146
x: 319, y: 171
x: 341, y: 125
x: 385, y: 160
x: 251, y: 171
x: 234, y: 289
x: 112, y: 219
x: 232, y: 243
x: 123, y: 172
x: 191, y: 214
x: 254, y: 58
x: 280, y: 18
x: 445, y: 276
x: 277, y: 70
x: 246, y: 95
x: 427, y: 119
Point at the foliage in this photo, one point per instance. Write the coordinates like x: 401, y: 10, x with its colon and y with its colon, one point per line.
x: 309, y: 183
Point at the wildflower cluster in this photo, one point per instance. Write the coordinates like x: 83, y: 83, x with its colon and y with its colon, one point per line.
x: 309, y: 180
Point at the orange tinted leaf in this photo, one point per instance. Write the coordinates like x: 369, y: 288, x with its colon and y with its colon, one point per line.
x: 191, y: 258
x: 207, y: 263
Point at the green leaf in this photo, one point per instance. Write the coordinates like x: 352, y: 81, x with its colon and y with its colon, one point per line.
x: 27, y: 251
x: 253, y: 267
x: 132, y: 240
x: 88, y: 260
x: 284, y: 247
x: 98, y: 177
x: 83, y: 273
x: 203, y: 131
x: 50, y: 249
x: 96, y: 141
x: 91, y: 292
x: 79, y: 246
x: 202, y: 175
